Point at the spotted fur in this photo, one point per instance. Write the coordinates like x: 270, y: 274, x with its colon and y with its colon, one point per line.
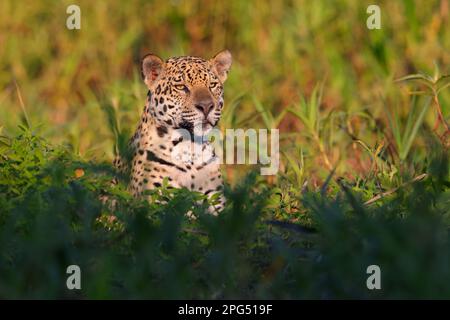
x: 184, y: 93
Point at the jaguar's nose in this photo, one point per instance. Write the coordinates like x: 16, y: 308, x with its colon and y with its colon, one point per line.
x: 205, y: 107
x: 203, y: 101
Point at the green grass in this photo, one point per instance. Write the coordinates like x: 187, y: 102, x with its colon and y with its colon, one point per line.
x: 364, y: 176
x: 51, y: 217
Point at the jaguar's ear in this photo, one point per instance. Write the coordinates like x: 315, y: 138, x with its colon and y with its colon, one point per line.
x: 152, y: 67
x: 221, y: 64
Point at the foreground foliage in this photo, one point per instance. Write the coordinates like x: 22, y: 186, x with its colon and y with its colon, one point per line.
x: 50, y: 218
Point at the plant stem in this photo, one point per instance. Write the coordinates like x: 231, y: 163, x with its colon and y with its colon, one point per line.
x: 389, y: 192
x: 322, y: 151
x: 441, y: 119
x: 439, y: 111
x: 22, y: 104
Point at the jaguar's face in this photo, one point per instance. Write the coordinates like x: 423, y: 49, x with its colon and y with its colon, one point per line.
x: 186, y: 92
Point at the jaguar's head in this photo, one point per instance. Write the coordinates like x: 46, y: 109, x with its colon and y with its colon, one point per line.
x: 186, y: 92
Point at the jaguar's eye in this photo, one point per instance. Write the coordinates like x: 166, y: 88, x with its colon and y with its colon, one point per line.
x: 213, y: 85
x: 182, y: 87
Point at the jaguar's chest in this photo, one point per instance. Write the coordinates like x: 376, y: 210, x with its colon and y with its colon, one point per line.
x: 164, y: 155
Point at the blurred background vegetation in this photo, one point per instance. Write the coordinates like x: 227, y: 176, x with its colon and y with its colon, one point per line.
x: 350, y: 134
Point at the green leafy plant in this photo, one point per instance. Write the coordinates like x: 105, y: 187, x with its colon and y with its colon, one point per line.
x: 433, y: 86
x: 405, y: 138
x: 308, y: 112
